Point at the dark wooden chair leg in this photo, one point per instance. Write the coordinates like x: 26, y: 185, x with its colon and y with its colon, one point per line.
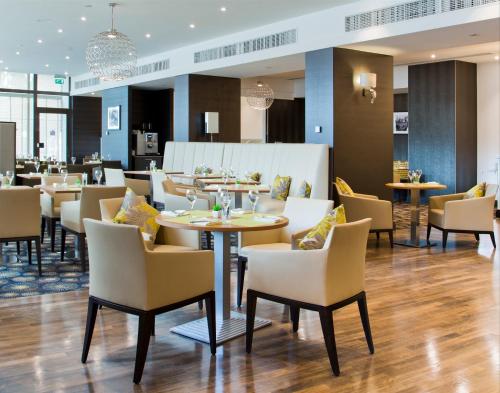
x: 29, y: 251
x: 18, y: 248
x: 200, y: 305
x: 145, y: 326
x: 378, y: 236
x: 492, y: 236
x: 52, y: 234
x: 445, y: 238
x: 363, y: 313
x: 210, y: 305
x: 391, y: 238
x: 329, y: 336
x: 476, y: 235
x: 63, y: 242
x: 294, y: 316
x: 42, y: 232
x: 251, y: 306
x: 242, y: 265
x: 429, y: 227
x: 38, y: 255
x: 153, y: 329
x: 81, y: 249
x: 89, y: 329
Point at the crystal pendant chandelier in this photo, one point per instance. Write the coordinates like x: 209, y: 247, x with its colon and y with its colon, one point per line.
x: 260, y: 97
x: 111, y: 55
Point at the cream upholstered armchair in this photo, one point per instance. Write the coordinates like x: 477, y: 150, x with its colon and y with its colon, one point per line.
x: 359, y: 206
x: 452, y: 213
x: 51, y: 205
x: 302, y: 214
x: 73, y: 213
x: 175, y: 197
x: 116, y: 178
x: 157, y: 178
x: 320, y: 280
x: 127, y: 276
x: 20, y: 218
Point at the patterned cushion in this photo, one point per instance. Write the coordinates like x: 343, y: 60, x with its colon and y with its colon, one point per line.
x: 255, y: 176
x: 281, y: 187
x: 304, y: 190
x: 343, y: 186
x: 477, y: 191
x: 316, y: 237
x: 134, y: 211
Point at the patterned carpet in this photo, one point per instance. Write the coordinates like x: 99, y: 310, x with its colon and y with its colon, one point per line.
x: 18, y: 278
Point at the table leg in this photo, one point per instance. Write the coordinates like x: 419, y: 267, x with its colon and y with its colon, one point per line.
x: 238, y: 200
x: 229, y: 324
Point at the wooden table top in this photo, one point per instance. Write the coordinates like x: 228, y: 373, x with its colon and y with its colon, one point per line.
x: 416, y: 186
x: 238, y: 223
x: 148, y: 173
x: 38, y: 176
x: 51, y: 190
x: 235, y: 188
x: 197, y: 176
x: 230, y: 181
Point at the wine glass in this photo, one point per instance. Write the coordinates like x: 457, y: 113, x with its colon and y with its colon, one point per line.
x: 64, y: 174
x: 37, y: 165
x: 191, y: 197
x: 226, y: 203
x: 152, y: 165
x: 59, y: 166
x: 9, y: 175
x: 253, y: 197
x: 98, y: 175
x: 73, y: 160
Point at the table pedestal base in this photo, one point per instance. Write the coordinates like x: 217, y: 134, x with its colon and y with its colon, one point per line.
x: 227, y: 329
x: 415, y: 244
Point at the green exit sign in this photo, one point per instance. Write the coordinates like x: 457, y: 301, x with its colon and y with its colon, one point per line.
x: 59, y: 80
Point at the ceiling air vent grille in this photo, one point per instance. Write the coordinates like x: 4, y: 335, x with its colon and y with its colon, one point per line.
x: 254, y: 45
x: 81, y: 84
x: 408, y: 11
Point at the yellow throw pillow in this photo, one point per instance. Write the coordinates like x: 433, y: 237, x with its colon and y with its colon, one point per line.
x: 343, y: 186
x: 316, y: 237
x: 304, y: 190
x: 135, y: 211
x: 281, y: 187
x: 477, y: 191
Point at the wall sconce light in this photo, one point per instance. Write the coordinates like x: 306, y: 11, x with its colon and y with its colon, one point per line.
x: 368, y: 82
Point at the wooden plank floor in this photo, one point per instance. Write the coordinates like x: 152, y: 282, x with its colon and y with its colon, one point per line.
x: 434, y: 315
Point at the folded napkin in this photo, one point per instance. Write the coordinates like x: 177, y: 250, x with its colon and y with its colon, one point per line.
x: 175, y: 213
x: 239, y: 211
x: 267, y: 219
x: 432, y: 182
x: 205, y: 222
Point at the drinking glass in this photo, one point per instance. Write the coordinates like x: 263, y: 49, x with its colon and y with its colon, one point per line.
x: 253, y: 197
x: 37, y: 165
x: 152, y: 165
x: 9, y: 175
x: 191, y: 197
x: 226, y: 204
x: 59, y: 166
x: 73, y: 160
x: 84, y: 179
x: 98, y: 175
x: 64, y: 174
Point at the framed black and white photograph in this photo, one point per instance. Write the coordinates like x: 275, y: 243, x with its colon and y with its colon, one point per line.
x: 401, y: 122
x: 114, y: 117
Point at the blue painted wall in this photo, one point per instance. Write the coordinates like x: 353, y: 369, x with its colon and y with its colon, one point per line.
x: 181, y: 108
x: 117, y: 143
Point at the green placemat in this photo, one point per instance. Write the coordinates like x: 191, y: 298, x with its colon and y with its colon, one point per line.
x: 244, y: 220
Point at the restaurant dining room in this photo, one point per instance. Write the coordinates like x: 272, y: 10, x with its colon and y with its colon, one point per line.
x: 249, y: 196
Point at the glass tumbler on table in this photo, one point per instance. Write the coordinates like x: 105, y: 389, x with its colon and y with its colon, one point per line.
x: 98, y: 175
x: 10, y: 176
x: 191, y: 197
x: 226, y: 204
x: 64, y: 174
x: 253, y: 197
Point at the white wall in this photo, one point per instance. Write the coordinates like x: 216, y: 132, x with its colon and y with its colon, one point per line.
x: 400, y: 77
x: 488, y: 121
x: 253, y: 122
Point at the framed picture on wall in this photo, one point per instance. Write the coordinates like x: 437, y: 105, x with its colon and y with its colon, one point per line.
x: 401, y: 122
x: 114, y: 117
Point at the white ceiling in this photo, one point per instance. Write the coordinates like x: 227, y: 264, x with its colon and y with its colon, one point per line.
x: 23, y: 22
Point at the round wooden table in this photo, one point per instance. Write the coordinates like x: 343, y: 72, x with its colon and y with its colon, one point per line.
x: 229, y: 324
x: 415, y: 189
x: 238, y: 191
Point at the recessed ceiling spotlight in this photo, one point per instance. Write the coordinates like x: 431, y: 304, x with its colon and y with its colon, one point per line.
x: 92, y: 93
x: 46, y: 66
x: 83, y: 18
x: 66, y: 73
x: 223, y: 9
x: 497, y: 57
x: 40, y: 41
x: 67, y: 57
x: 6, y: 68
x: 1, y: 61
x: 192, y: 26
x: 148, y: 35
x: 18, y: 53
x: 59, y: 31
x: 433, y: 56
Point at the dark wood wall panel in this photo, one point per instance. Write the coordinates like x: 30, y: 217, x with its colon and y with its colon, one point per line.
x: 401, y: 140
x: 363, y: 136
x: 86, y: 126
x: 286, y: 121
x: 196, y: 94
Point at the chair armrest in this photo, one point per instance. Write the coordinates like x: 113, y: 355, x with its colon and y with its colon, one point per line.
x: 475, y: 214
x: 109, y: 208
x: 297, y: 237
x: 379, y: 211
x: 259, y: 237
x: 438, y: 201
x: 70, y: 212
x: 295, y: 274
x: 365, y: 196
x: 178, y: 237
x: 177, y: 202
x: 176, y: 276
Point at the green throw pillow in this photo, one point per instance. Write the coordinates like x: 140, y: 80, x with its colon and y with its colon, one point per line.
x: 316, y: 237
x: 281, y: 187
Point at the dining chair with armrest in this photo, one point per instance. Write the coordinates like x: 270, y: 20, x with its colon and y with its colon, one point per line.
x: 126, y: 276
x: 116, y: 178
x: 320, y: 280
x: 20, y: 218
x: 453, y: 213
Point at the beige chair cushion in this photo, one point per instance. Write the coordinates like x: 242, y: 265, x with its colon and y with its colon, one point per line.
x: 379, y: 211
x: 436, y: 217
x: 19, y: 212
x: 270, y: 246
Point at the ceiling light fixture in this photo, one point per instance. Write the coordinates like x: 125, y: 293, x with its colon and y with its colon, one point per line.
x: 40, y: 41
x: 67, y: 57
x: 496, y: 57
x: 83, y: 19
x: 18, y: 53
x: 59, y: 31
x: 46, y: 66
x: 192, y: 26
x: 433, y: 56
x: 66, y: 73
x: 223, y: 9
x: 148, y: 35
x: 1, y: 61
x: 92, y: 93
x: 6, y: 68
x: 260, y: 97
x: 111, y: 55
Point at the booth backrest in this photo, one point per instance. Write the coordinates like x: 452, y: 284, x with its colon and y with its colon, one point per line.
x: 300, y: 161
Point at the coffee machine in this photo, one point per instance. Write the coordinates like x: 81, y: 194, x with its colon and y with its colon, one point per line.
x: 146, y: 143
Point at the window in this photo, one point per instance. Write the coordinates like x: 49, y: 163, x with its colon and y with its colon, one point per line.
x: 18, y: 107
x: 53, y: 129
x: 52, y: 101
x: 55, y: 83
x: 16, y: 80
